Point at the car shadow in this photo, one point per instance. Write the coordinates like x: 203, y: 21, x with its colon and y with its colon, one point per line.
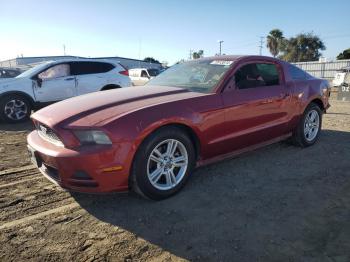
x: 342, y: 114
x: 270, y: 204
x: 23, y: 126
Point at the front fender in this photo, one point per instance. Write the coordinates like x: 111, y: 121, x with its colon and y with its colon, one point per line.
x: 142, y: 123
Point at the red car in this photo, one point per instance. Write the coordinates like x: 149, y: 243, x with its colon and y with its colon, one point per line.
x: 151, y: 138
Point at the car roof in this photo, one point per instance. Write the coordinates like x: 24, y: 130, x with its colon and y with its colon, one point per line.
x: 142, y: 68
x: 82, y: 60
x: 238, y: 57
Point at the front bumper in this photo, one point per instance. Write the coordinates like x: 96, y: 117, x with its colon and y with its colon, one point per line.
x: 83, y: 169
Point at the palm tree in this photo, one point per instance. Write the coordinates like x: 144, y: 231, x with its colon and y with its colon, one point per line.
x: 198, y: 54
x: 274, y: 40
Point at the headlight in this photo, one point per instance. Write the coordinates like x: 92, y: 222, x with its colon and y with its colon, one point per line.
x: 92, y: 137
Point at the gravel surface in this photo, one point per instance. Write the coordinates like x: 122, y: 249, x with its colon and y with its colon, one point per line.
x: 279, y: 203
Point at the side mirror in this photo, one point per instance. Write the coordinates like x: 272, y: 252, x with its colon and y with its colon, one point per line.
x: 230, y: 84
x: 39, y: 81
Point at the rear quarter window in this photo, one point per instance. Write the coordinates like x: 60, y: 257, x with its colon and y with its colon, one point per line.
x: 297, y: 73
x: 84, y: 68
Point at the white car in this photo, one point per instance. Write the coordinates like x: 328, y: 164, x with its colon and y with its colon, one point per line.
x: 55, y: 81
x: 140, y: 76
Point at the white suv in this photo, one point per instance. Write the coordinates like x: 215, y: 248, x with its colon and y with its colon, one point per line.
x: 55, y: 81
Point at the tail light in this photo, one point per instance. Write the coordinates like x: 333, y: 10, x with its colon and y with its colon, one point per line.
x: 124, y: 72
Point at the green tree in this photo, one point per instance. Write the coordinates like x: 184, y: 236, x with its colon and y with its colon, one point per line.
x: 274, y: 41
x: 344, y: 55
x: 151, y: 60
x: 198, y: 54
x: 302, y: 48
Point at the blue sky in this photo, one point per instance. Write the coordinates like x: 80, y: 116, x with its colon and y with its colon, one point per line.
x: 165, y: 30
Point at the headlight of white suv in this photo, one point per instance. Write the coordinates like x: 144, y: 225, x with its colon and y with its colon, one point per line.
x: 92, y: 137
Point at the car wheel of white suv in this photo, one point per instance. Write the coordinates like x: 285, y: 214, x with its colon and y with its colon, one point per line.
x: 14, y: 108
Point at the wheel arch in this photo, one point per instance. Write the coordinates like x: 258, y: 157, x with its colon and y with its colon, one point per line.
x: 189, y: 131
x: 184, y: 127
x: 318, y: 102
x: 110, y: 86
x: 19, y: 93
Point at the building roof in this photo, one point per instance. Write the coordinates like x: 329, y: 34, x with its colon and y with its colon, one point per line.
x: 79, y: 57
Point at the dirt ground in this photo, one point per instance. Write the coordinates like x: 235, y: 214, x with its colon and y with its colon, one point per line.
x: 279, y: 203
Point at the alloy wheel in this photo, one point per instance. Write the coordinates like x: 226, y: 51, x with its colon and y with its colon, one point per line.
x: 16, y: 109
x: 311, y: 125
x: 167, y: 164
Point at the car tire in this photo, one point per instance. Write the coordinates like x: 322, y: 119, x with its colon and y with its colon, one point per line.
x: 158, y: 173
x: 110, y: 87
x: 309, y: 126
x: 15, y: 108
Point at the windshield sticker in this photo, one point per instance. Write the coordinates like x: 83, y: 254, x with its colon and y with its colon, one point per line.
x: 221, y: 62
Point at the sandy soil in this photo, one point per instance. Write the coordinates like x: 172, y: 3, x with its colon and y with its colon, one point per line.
x: 279, y: 203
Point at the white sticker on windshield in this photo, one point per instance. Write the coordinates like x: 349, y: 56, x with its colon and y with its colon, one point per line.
x: 221, y: 62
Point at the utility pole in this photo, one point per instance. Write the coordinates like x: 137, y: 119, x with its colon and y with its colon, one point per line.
x: 140, y: 46
x: 191, y: 52
x: 64, y: 49
x: 220, y: 43
x: 261, y: 44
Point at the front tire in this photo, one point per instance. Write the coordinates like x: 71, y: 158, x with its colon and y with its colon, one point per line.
x: 163, y: 164
x: 15, y: 108
x: 309, y: 127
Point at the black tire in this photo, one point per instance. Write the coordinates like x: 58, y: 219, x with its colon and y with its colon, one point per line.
x: 139, y: 180
x: 20, y: 100
x: 110, y: 87
x: 299, y: 138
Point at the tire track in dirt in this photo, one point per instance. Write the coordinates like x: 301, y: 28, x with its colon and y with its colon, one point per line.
x: 15, y: 170
x: 60, y: 209
x: 22, y: 195
x: 19, y: 182
x: 14, y: 174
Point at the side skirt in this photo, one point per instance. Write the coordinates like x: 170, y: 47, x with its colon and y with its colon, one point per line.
x: 241, y: 151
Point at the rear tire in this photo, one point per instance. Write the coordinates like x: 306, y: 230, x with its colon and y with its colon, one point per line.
x: 309, y: 127
x: 163, y: 164
x: 15, y: 108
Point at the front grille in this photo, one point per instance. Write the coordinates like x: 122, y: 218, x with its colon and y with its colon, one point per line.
x: 48, y: 134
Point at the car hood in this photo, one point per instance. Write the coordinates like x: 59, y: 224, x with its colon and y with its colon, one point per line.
x: 13, y: 84
x: 99, y: 108
x: 5, y: 81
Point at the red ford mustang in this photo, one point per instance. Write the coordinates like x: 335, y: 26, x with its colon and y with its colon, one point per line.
x: 151, y: 138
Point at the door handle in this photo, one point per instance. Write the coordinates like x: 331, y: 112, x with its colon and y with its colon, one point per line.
x: 267, y: 101
x: 69, y: 79
x: 283, y: 96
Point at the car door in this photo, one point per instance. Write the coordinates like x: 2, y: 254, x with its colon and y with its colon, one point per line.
x: 144, y: 78
x: 55, y: 84
x: 257, y: 105
x: 90, y: 76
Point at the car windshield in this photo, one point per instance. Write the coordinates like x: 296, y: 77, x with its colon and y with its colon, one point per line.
x: 153, y: 72
x: 198, y: 76
x: 33, y: 70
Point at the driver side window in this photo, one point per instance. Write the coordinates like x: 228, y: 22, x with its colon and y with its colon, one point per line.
x: 257, y: 75
x: 56, y: 71
x: 144, y: 73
